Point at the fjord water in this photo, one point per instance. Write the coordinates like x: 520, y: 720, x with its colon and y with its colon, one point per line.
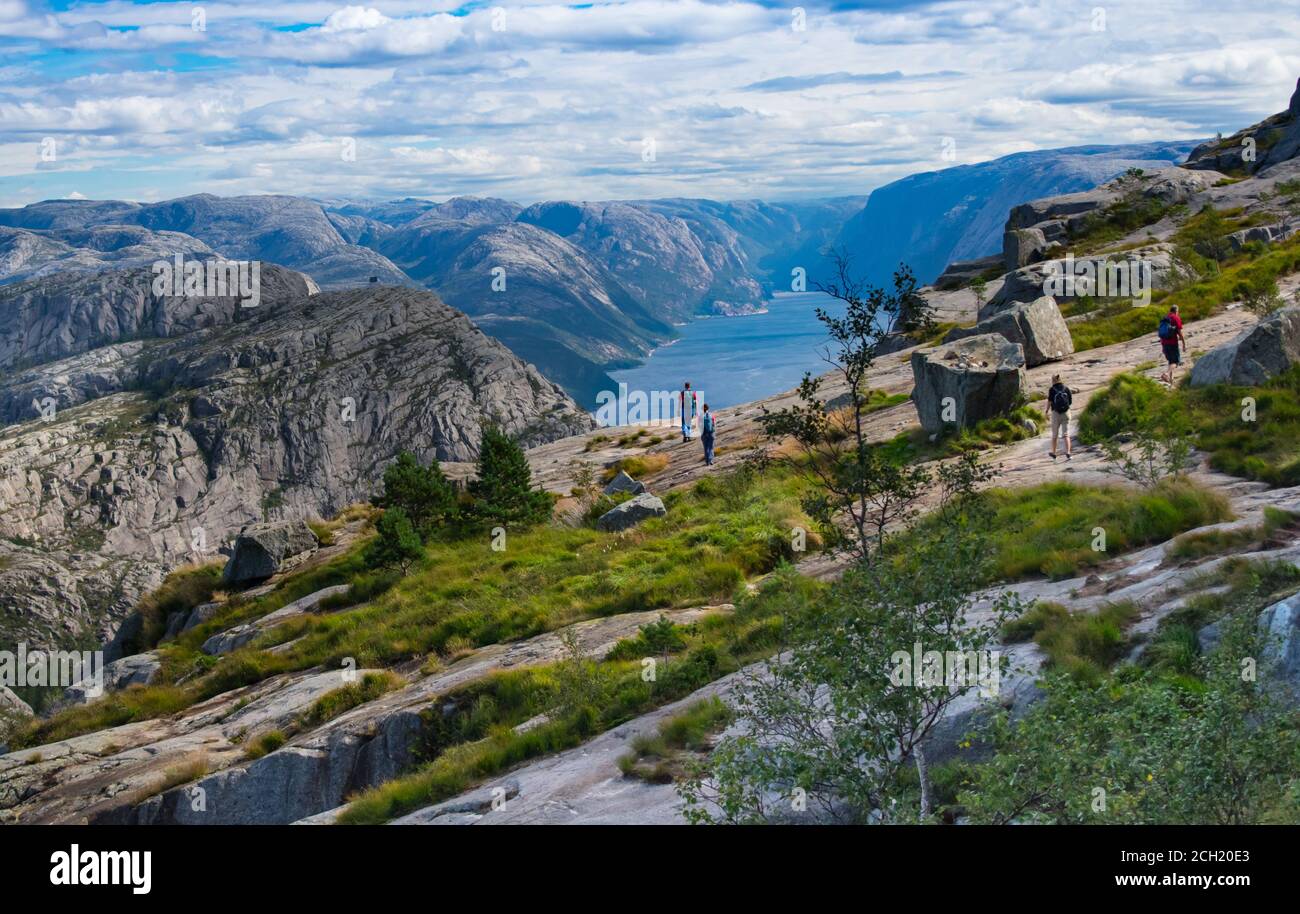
x: 738, y: 359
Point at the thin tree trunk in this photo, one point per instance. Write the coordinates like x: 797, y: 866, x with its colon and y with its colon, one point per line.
x: 923, y: 774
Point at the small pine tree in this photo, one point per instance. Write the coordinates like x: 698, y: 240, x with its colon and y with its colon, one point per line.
x: 398, y: 543
x: 423, y: 493
x: 503, y: 492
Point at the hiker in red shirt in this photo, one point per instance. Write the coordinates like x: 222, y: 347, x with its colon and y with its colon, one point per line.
x: 1170, y: 333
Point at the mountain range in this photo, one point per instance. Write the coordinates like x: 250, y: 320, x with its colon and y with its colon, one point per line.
x: 575, y: 288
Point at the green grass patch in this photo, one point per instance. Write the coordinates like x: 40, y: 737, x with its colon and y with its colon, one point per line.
x: 265, y: 744
x: 353, y: 695
x: 1236, y: 539
x: 1082, y: 644
x: 1204, y: 298
x: 1265, y: 447
x: 659, y: 757
x: 637, y: 467
x: 716, y: 535
x: 1050, y: 529
x: 480, y: 737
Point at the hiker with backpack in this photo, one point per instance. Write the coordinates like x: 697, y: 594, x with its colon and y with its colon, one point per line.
x: 1170, y: 332
x: 706, y: 434
x: 690, y: 408
x: 1057, y: 411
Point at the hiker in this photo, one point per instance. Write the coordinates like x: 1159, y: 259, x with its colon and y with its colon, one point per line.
x: 1170, y: 332
x: 1057, y: 411
x: 706, y: 434
x: 690, y: 407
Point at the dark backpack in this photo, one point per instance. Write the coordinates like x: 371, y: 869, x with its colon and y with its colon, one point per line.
x: 1166, y: 330
x: 1060, y: 398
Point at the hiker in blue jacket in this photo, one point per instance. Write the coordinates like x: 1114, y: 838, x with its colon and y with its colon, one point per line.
x: 706, y: 434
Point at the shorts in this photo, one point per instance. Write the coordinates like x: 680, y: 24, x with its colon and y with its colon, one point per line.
x: 1173, y: 355
x: 1060, y: 423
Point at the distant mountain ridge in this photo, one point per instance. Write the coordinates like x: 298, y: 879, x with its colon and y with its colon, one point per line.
x: 577, y: 288
x: 932, y: 219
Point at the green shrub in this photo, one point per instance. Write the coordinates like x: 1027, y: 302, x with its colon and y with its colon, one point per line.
x: 502, y: 489
x: 422, y: 493
x: 1119, y: 407
x: 1083, y: 644
x: 398, y: 543
x: 266, y: 744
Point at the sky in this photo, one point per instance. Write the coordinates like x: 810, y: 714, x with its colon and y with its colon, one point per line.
x: 604, y: 100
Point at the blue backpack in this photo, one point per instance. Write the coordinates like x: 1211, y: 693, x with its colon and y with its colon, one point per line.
x: 1166, y: 330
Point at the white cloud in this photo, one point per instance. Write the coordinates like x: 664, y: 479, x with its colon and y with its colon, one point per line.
x: 553, y: 100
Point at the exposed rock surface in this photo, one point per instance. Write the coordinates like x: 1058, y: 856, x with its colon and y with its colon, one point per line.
x: 549, y: 300
x: 632, y: 512
x: 112, y: 776
x: 12, y: 704
x: 624, y: 483
x: 292, y: 413
x: 234, y: 638
x: 29, y: 254
x: 962, y: 382
x: 50, y: 319
x: 1037, y: 326
x: 1039, y: 226
x: 138, y: 669
x: 691, y: 265
x: 1279, y: 628
x: 261, y: 550
x: 930, y: 220
x: 1262, y: 352
x: 281, y: 229
x: 1256, y: 148
x: 1152, y: 268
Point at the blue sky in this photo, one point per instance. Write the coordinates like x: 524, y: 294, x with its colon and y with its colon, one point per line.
x: 641, y: 98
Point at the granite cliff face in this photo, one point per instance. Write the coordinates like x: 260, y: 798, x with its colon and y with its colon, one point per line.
x: 158, y: 450
x: 932, y: 219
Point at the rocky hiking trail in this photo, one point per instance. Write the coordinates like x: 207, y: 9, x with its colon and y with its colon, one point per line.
x: 584, y: 785
x: 143, y: 772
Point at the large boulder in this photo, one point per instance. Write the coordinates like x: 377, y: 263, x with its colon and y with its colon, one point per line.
x: 1279, y: 625
x: 962, y: 382
x: 624, y: 483
x: 1037, y: 326
x: 1265, y: 350
x: 137, y: 669
x: 262, y: 549
x: 1152, y: 268
x: 1264, y: 234
x: 632, y: 512
x: 960, y: 273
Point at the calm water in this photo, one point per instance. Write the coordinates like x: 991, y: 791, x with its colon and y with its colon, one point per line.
x: 738, y: 359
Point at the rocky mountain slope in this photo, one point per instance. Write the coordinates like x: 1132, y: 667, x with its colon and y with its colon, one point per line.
x: 930, y: 220
x: 159, y: 450
x: 287, y: 230
x: 589, y: 285
x: 148, y: 771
